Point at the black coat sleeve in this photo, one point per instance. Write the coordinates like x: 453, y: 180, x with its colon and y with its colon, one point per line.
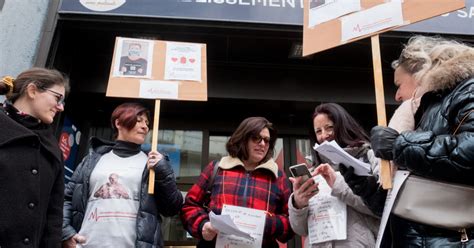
x: 446, y: 156
x: 167, y: 196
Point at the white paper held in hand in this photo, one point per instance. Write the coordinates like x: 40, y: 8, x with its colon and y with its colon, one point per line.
x: 337, y: 155
x: 224, y: 224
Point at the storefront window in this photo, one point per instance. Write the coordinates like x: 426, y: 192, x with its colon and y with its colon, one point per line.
x: 217, y: 147
x: 184, y: 149
x: 303, y: 151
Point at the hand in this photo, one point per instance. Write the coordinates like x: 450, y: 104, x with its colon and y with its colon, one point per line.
x: 303, y: 192
x: 381, y: 139
x: 208, y: 232
x: 73, y: 241
x: 153, y: 158
x: 327, y: 172
x: 360, y: 185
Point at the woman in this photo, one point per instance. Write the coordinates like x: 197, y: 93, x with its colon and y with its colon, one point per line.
x: 441, y: 148
x: 248, y: 178
x: 31, y: 169
x: 332, y: 122
x: 106, y: 202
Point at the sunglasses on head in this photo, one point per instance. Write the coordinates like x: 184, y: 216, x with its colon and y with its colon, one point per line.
x: 257, y: 139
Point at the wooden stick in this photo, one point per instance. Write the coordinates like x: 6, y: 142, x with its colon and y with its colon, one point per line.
x: 154, y: 145
x: 385, y: 170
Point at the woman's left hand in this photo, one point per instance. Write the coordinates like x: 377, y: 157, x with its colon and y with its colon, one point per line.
x: 327, y: 172
x: 153, y: 158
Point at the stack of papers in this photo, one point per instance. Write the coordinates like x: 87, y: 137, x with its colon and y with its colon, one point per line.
x: 224, y: 224
x: 337, y: 155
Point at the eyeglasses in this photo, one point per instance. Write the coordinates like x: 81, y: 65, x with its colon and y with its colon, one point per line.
x: 258, y: 139
x: 59, y: 97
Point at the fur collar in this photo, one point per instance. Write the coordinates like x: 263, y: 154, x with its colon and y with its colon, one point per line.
x: 450, y: 73
x: 229, y: 162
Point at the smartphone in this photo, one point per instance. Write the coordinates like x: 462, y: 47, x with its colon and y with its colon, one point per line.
x: 300, y: 170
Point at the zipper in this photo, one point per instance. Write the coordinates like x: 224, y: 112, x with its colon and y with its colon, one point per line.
x: 247, y: 177
x: 464, y: 237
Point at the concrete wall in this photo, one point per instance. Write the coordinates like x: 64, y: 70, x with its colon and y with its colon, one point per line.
x: 21, y: 27
x: 27, y: 29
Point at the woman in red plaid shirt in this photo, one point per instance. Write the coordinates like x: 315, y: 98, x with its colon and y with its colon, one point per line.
x: 248, y: 178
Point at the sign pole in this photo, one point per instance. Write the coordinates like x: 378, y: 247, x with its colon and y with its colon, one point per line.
x: 154, y: 146
x: 385, y: 170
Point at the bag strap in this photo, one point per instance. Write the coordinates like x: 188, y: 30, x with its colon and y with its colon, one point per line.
x: 210, y: 183
x: 462, y: 121
x: 215, y: 163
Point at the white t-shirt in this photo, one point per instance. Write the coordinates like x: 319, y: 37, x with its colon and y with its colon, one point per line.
x: 112, y: 207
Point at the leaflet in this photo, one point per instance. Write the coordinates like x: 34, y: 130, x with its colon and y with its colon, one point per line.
x: 337, y: 155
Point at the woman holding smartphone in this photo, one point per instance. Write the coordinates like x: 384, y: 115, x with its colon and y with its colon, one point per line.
x: 332, y: 122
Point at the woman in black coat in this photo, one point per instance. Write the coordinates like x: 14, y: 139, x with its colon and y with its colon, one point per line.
x: 31, y: 169
x: 440, y: 147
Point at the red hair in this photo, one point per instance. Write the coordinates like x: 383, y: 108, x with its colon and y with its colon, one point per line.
x: 127, y: 114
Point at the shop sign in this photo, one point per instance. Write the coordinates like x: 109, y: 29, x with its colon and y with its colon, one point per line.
x: 284, y: 12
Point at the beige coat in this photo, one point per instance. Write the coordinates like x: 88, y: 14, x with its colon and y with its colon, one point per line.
x: 362, y: 225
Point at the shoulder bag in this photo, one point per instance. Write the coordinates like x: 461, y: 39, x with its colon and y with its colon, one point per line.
x: 435, y: 203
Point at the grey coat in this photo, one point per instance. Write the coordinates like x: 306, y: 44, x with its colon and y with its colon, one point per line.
x: 166, y: 201
x: 362, y: 226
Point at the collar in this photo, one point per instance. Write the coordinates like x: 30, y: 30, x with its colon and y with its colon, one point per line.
x: 229, y: 162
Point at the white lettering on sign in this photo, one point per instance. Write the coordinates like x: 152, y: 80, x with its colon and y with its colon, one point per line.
x: 265, y: 3
x: 463, y: 13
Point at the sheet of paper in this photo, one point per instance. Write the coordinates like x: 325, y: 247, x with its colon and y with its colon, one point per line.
x: 156, y: 89
x: 398, y: 180
x: 224, y: 224
x: 337, y: 155
x: 325, y: 10
x: 183, y: 61
x: 327, y: 217
x: 248, y: 220
x: 371, y: 20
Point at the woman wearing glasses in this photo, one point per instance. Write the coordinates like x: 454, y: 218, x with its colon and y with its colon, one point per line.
x: 247, y: 181
x: 31, y: 169
x: 332, y: 122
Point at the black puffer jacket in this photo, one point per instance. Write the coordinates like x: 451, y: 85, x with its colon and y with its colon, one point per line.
x: 432, y: 151
x: 166, y: 201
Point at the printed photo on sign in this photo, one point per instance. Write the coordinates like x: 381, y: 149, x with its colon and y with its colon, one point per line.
x: 183, y: 61
x: 133, y: 58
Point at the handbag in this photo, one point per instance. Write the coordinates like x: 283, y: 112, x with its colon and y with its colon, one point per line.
x: 435, y: 203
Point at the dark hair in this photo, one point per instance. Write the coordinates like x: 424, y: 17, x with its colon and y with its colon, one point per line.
x: 127, y: 114
x: 237, y: 144
x: 41, y: 77
x: 347, y: 132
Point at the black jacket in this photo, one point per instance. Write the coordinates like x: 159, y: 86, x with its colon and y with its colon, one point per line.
x: 31, y: 184
x: 432, y: 151
x: 441, y: 147
x: 166, y: 201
